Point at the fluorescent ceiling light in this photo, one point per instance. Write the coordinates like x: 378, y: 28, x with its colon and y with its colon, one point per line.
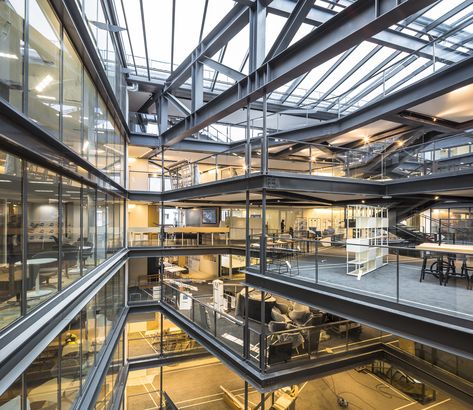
x: 5, y: 180
x: 43, y: 190
x: 8, y: 55
x: 44, y: 83
x: 43, y: 182
x: 46, y: 97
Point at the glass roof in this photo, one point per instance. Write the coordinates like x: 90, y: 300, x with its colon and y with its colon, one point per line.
x: 439, y: 36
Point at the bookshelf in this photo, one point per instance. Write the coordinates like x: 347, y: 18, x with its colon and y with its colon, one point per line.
x: 367, y: 231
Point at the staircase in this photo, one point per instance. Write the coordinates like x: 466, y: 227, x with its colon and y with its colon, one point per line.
x: 410, y: 234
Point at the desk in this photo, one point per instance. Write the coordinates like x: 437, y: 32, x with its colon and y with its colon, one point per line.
x: 39, y: 261
x: 446, y: 247
x: 199, y: 230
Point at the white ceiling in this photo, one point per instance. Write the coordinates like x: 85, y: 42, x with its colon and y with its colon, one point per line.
x: 366, y: 131
x: 454, y: 106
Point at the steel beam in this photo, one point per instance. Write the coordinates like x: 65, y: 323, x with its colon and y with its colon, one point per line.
x: 197, y: 89
x: 223, y: 69
x: 354, y: 24
x: 441, y: 182
x: 143, y: 26
x: 178, y: 104
x: 224, y: 31
x: 257, y: 35
x: 163, y: 114
x: 188, y: 145
x: 290, y: 28
x: 389, y: 38
x: 442, y: 82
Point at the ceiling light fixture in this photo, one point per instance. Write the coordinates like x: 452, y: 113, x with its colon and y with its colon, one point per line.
x: 8, y: 55
x: 44, y: 83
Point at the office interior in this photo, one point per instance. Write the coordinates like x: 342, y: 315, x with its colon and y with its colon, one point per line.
x: 244, y: 204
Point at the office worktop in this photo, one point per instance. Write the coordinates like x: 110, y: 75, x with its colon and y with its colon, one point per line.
x: 446, y: 247
x: 197, y: 229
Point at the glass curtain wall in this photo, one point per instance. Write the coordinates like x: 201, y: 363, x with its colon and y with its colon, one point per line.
x: 53, y: 230
x: 42, y: 75
x: 97, y: 21
x: 57, y: 376
x: 12, y: 14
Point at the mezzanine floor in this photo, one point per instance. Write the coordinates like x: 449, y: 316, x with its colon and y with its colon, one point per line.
x: 196, y: 385
x: 331, y: 270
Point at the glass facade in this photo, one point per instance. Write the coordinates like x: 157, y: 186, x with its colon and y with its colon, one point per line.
x: 57, y: 376
x: 48, y: 82
x: 53, y: 230
x: 98, y: 22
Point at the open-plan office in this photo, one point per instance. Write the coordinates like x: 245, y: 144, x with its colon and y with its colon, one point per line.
x: 236, y: 204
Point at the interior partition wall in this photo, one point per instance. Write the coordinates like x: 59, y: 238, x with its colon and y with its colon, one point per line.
x: 53, y: 231
x: 42, y: 76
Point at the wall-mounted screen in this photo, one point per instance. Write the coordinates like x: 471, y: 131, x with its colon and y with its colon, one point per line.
x: 209, y: 216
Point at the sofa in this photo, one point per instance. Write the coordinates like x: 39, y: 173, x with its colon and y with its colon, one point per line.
x: 286, y: 319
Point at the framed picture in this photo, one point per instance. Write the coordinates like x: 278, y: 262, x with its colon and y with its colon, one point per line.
x: 209, y: 216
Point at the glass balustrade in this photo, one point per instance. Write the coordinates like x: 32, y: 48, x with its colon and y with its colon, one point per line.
x: 431, y: 277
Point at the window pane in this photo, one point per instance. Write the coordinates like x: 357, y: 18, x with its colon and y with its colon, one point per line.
x: 89, y: 222
x: 44, y: 66
x: 100, y: 318
x: 89, y: 147
x: 70, y: 362
x: 101, y: 226
x: 88, y: 339
x: 10, y: 238
x: 43, y: 234
x: 72, y: 97
x: 101, y: 130
x: 71, y: 234
x: 11, y: 398
x: 11, y: 57
x: 41, y: 379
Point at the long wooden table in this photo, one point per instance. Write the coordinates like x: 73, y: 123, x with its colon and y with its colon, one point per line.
x: 446, y: 247
x: 199, y: 230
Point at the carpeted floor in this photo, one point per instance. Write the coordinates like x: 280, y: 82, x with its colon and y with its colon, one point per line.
x: 454, y: 299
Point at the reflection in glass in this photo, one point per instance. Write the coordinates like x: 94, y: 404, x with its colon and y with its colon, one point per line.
x: 89, y: 222
x: 101, y: 226
x: 41, y: 379
x: 12, y: 13
x: 10, y: 238
x: 43, y: 234
x: 89, y: 147
x: 72, y: 97
x: 71, y: 233
x: 70, y: 362
x: 12, y: 397
x: 44, y: 66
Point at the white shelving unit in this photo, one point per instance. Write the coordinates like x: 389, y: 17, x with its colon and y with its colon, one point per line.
x: 367, y: 236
